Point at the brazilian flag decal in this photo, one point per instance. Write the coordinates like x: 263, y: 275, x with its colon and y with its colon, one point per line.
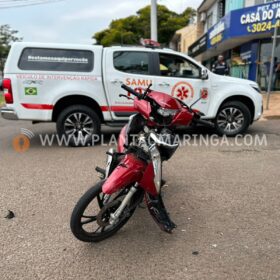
x: 30, y: 91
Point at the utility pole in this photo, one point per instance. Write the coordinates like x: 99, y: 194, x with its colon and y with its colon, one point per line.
x: 154, y: 32
x: 271, y: 70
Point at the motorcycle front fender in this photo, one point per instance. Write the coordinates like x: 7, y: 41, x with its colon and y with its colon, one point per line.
x: 130, y: 170
x: 147, y: 182
x: 122, y: 139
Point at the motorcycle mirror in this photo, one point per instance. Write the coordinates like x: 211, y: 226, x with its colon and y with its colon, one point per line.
x: 196, y: 101
x: 203, y: 95
x: 147, y: 90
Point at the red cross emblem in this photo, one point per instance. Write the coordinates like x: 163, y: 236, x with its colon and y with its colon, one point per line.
x: 183, y: 90
x: 182, y: 93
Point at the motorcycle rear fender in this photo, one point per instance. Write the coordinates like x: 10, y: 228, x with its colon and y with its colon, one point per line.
x: 129, y: 171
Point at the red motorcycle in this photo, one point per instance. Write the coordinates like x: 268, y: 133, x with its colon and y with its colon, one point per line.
x: 134, y: 172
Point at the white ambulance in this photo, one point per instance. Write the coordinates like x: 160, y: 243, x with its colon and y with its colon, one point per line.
x: 78, y: 86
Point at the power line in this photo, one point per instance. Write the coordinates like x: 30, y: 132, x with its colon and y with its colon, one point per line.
x: 14, y: 0
x: 24, y: 2
x: 18, y: 1
x: 7, y: 4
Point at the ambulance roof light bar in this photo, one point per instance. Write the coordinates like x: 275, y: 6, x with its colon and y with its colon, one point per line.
x: 149, y: 43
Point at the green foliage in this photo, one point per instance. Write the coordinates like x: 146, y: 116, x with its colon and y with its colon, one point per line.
x: 7, y: 36
x: 131, y: 29
x: 1, y: 99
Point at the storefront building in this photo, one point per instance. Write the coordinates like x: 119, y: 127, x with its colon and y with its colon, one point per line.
x: 244, y: 37
x: 184, y: 37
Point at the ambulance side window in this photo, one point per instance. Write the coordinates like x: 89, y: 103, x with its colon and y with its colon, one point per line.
x: 176, y: 66
x: 132, y: 62
x: 65, y: 60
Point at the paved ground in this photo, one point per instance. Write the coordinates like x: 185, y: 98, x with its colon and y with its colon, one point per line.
x: 225, y: 201
x: 274, y: 106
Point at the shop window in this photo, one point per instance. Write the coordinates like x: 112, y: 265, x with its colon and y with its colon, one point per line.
x: 221, y: 9
x: 264, y: 64
x: 239, y: 64
x: 209, y: 20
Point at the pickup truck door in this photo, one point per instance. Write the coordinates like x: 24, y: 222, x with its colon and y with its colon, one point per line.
x: 130, y: 67
x: 180, y: 77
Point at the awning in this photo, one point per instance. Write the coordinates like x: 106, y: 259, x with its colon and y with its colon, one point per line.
x: 230, y: 44
x: 239, y: 27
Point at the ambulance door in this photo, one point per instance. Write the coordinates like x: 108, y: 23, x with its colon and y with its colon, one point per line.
x: 181, y: 78
x: 130, y: 67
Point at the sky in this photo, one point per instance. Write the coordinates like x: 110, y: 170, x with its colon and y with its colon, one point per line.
x: 75, y: 21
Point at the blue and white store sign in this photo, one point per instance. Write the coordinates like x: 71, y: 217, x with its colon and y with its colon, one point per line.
x: 218, y: 32
x: 256, y: 19
x: 248, y: 21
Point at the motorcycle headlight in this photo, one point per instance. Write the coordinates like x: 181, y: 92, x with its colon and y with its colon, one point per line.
x: 167, y: 112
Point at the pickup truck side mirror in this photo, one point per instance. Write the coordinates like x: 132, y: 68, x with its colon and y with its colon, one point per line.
x: 203, y: 74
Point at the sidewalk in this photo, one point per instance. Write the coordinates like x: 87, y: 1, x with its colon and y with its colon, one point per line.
x: 274, y: 106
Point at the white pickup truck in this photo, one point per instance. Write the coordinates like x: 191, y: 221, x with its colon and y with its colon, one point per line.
x: 78, y: 86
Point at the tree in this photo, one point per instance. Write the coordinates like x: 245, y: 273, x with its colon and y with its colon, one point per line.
x: 129, y: 30
x: 7, y: 36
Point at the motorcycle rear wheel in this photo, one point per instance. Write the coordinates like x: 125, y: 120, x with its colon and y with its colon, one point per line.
x: 79, y: 219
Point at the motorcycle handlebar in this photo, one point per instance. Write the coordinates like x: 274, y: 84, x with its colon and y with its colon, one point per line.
x: 125, y: 87
x: 196, y: 119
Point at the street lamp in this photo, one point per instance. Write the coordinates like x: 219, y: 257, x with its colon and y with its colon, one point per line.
x: 154, y: 33
x: 274, y: 40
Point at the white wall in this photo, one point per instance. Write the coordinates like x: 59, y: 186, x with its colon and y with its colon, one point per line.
x: 249, y: 3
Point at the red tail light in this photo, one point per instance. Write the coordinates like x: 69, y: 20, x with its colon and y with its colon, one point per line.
x: 8, y: 93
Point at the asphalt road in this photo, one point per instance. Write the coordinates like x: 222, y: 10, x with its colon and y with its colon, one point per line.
x: 225, y: 200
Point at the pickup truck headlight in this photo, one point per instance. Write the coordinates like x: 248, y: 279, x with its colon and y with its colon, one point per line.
x: 167, y: 112
x: 256, y: 88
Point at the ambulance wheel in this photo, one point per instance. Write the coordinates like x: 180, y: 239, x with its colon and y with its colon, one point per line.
x: 79, y: 124
x: 233, y: 118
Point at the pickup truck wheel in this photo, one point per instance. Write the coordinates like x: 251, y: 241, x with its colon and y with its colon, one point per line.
x: 233, y: 118
x: 79, y: 124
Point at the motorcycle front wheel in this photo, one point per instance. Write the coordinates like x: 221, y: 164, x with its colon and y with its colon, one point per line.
x: 90, y: 217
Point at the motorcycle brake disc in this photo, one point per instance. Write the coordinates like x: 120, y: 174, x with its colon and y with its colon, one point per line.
x: 103, y: 217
